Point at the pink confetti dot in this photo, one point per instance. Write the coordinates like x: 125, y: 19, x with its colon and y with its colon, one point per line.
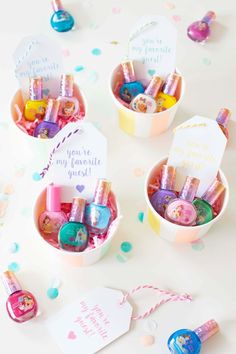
x: 170, y: 5
x: 116, y: 10
x: 176, y: 18
x: 147, y: 340
x: 65, y: 52
x: 138, y: 172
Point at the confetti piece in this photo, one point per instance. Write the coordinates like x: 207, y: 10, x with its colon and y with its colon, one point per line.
x: 151, y: 72
x: 150, y: 326
x: 79, y: 68
x: 141, y: 216
x: 93, y: 77
x: 138, y: 172
x: 14, y: 267
x: 114, y: 42
x: 176, y: 18
x: 96, y: 51
x: 36, y: 176
x: 52, y: 293
x: 121, y: 258
x: 116, y: 10
x: 206, y: 61
x: 65, y: 52
x: 147, y: 340
x: 126, y: 247
x: 198, y: 245
x: 14, y: 247
x: 170, y: 5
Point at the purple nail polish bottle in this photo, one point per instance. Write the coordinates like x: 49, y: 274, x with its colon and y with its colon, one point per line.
x: 165, y: 194
x: 199, y: 31
x: 49, y: 127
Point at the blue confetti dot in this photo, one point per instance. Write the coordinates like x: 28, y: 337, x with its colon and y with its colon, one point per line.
x: 36, y: 176
x: 126, y: 247
x: 79, y: 68
x: 141, y: 216
x: 14, y: 267
x: 14, y: 248
x: 96, y: 51
x: 52, y: 293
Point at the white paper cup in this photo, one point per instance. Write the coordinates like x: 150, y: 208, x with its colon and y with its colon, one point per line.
x: 30, y: 147
x: 173, y: 232
x: 143, y: 125
x: 78, y: 259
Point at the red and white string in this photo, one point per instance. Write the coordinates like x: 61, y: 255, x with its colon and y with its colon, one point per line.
x: 171, y: 297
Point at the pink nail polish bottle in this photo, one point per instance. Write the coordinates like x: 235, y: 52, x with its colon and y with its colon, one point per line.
x: 21, y: 304
x: 181, y: 210
x: 69, y: 105
x: 222, y: 119
x: 53, y: 217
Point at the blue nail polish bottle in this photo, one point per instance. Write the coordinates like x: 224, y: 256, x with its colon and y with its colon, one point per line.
x: 61, y: 20
x: 185, y: 341
x: 131, y: 88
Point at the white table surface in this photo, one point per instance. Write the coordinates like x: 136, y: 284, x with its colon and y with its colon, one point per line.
x: 207, y: 272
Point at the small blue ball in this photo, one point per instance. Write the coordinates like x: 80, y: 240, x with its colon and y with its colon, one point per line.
x: 52, y: 293
x: 36, y: 176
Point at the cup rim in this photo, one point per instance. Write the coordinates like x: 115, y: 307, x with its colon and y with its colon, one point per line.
x: 140, y: 114
x: 210, y: 223
x: 70, y: 253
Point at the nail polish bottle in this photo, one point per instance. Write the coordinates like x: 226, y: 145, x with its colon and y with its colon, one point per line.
x: 222, y: 119
x: 69, y: 105
x: 181, y: 210
x: 48, y: 128
x: 61, y: 20
x: 204, y: 205
x: 166, y: 98
x: 21, y: 304
x: 36, y: 106
x: 53, y: 217
x: 73, y: 236
x: 199, y: 31
x: 185, y: 341
x: 165, y: 194
x: 97, y: 213
x: 145, y: 102
x: 131, y: 88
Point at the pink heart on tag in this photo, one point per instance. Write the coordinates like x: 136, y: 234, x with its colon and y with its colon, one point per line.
x: 71, y: 335
x: 80, y: 187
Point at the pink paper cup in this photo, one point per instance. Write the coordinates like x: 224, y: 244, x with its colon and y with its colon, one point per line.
x: 173, y: 232
x: 29, y: 146
x: 77, y: 259
x: 143, y: 125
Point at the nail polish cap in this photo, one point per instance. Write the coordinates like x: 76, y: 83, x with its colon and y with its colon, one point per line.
x: 213, y: 192
x: 77, y: 210
x: 66, y: 85
x: 52, y: 110
x: 154, y: 86
x: 102, y: 191
x: 223, y: 117
x: 128, y: 70
x: 167, y: 177
x: 10, y: 282
x: 53, y: 200
x: 36, y: 88
x: 209, y: 17
x: 171, y: 84
x: 207, y: 330
x: 57, y: 5
x: 189, y: 189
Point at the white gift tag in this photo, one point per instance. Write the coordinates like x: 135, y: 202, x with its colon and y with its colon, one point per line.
x: 80, y: 161
x: 91, y: 323
x: 197, y: 150
x: 152, y: 45
x: 38, y: 56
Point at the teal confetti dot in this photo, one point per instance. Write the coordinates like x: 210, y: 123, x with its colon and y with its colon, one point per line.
x: 141, y: 216
x: 198, y: 245
x: 96, y: 51
x: 14, y: 247
x: 52, y: 293
x: 79, y: 68
x: 14, y: 267
x: 36, y: 176
x: 126, y: 247
x: 93, y: 76
x: 121, y: 258
x: 206, y: 61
